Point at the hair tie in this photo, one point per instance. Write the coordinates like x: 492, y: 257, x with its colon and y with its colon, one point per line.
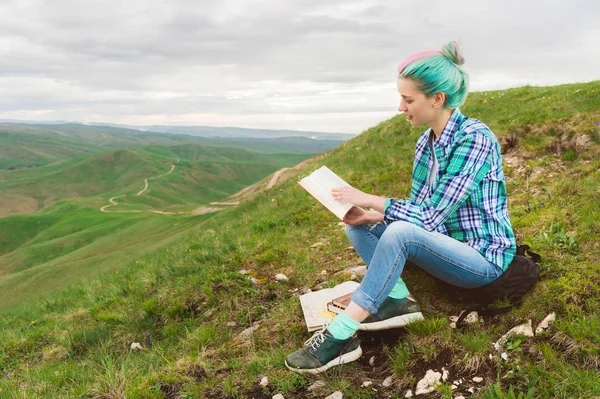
x: 415, y: 57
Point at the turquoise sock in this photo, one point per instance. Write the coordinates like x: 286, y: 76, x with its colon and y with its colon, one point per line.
x: 343, y: 326
x: 399, y: 291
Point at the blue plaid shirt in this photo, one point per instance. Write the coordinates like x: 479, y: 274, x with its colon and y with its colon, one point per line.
x: 467, y: 200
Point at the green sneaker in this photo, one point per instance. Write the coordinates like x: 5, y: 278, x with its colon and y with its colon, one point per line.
x: 322, y: 352
x: 392, y: 313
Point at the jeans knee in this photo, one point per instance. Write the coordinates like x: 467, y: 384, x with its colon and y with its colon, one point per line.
x: 399, y: 231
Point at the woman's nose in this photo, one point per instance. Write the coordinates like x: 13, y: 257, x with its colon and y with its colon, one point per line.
x: 401, y: 107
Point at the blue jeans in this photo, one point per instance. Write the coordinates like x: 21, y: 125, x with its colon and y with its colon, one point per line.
x: 385, y: 250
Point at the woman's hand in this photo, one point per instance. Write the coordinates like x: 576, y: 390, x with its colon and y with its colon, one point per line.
x: 351, y: 195
x: 357, y: 216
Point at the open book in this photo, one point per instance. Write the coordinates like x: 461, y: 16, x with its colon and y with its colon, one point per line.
x: 315, y: 304
x: 319, y: 184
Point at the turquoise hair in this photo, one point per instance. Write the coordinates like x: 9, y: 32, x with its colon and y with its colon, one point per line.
x: 441, y: 73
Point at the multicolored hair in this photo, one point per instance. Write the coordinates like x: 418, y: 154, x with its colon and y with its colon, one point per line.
x: 438, y: 72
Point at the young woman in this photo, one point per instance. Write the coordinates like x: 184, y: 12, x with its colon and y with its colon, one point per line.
x: 455, y: 225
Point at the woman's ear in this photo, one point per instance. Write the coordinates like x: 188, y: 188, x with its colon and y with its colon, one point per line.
x: 439, y: 99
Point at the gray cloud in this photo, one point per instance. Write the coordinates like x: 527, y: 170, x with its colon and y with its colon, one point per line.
x: 272, y: 64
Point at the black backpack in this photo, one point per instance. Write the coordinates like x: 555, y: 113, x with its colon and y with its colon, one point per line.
x: 518, y: 278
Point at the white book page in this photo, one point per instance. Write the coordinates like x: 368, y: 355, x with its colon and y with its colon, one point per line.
x: 319, y: 184
x: 314, y: 304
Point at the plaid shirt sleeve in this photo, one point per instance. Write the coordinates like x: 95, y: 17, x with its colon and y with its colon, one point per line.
x: 469, y: 162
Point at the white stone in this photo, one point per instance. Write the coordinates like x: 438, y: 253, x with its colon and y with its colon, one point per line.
x: 453, y: 386
x: 317, y: 244
x: 135, y: 345
x: 317, y: 385
x: 231, y: 324
x: 444, y: 374
x: 408, y: 394
x: 372, y: 361
x: 477, y: 379
x: 353, y: 277
x: 472, y: 390
x: 281, y: 277
x: 247, y: 333
x: 524, y: 329
x: 278, y: 396
x: 335, y: 395
x: 366, y: 384
x: 254, y: 281
x: 453, y: 325
x: 264, y: 381
x: 243, y: 272
x: 388, y: 381
x: 472, y: 317
x: 546, y: 323
x: 429, y: 382
x: 459, y: 397
x: 324, y: 272
x: 504, y: 356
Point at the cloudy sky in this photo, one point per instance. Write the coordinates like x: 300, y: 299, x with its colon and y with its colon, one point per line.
x: 295, y: 64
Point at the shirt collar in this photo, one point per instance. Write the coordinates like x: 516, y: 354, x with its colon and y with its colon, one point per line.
x: 452, y: 127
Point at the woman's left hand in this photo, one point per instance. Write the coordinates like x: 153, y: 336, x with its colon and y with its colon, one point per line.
x: 350, y: 195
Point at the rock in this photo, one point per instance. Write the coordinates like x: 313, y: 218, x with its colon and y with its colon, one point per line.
x: 335, y: 395
x: 444, y: 374
x: 316, y: 386
x: 408, y: 394
x: 582, y: 142
x: 136, y: 345
x: 471, y: 318
x: 459, y: 397
x: 247, y: 333
x: 254, y: 280
x: 264, y: 381
x: 349, y: 248
x: 524, y: 329
x: 372, y: 361
x: 305, y: 290
x: 243, y: 272
x: 317, y: 244
x: 472, y: 390
x: 366, y: 384
x: 231, y: 324
x: 453, y: 386
x: 477, y: 379
x: 388, y: 381
x: 546, y: 323
x: 324, y: 272
x: 353, y: 277
x: 429, y: 382
x: 504, y: 356
x: 278, y: 396
x: 281, y: 277
x: 358, y: 270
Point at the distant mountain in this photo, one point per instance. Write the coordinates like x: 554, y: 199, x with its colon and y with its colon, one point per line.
x: 210, y: 131
x: 24, y: 145
x: 204, y: 131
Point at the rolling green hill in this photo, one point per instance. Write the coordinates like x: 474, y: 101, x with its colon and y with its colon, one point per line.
x: 30, y: 145
x: 201, y: 175
x: 187, y: 303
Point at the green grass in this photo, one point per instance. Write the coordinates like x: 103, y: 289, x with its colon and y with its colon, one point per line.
x: 180, y: 300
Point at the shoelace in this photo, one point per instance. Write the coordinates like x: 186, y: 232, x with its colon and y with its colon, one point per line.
x: 317, y: 339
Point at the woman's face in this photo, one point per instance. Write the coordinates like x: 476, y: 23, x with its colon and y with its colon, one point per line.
x: 418, y: 108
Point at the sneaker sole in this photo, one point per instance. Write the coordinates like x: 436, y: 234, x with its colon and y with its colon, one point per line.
x: 345, y: 358
x: 394, y: 322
